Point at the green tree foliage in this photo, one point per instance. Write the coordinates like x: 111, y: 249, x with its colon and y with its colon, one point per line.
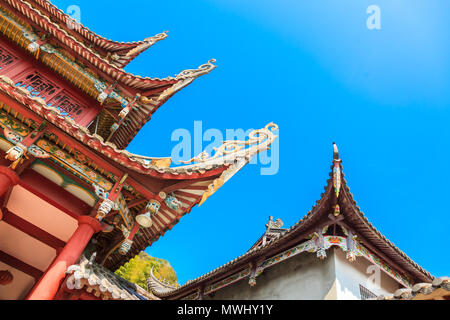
x: 137, y: 270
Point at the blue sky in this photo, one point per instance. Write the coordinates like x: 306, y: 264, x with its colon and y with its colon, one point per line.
x: 315, y: 69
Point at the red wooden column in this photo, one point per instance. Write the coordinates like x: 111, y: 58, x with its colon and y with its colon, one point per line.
x: 48, y: 285
x: 8, y: 179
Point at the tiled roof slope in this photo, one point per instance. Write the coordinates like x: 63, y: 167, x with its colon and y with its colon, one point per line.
x: 439, y: 289
x: 83, y: 31
x: 99, y: 281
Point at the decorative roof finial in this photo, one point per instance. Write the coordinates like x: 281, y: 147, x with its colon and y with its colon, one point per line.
x: 236, y: 154
x: 147, y: 43
x: 335, y: 152
x: 194, y: 73
x: 336, y: 171
x: 278, y: 224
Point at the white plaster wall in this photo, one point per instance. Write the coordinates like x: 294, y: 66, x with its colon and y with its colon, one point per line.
x: 349, y: 275
x: 303, y: 277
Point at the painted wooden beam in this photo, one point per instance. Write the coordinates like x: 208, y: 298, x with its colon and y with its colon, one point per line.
x: 185, y: 185
x: 20, y: 265
x: 188, y: 194
x: 32, y: 230
x: 68, y: 173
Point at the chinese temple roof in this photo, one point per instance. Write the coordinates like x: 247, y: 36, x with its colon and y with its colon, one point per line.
x: 336, y: 192
x: 96, y: 142
x: 82, y: 50
x: 156, y: 285
x: 191, y: 184
x: 128, y: 100
x: 439, y: 289
x: 68, y: 110
x: 121, y: 53
x: 274, y: 229
x: 102, y: 283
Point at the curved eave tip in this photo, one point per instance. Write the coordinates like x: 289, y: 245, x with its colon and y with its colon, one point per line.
x: 157, y: 37
x: 211, y: 64
x: 200, y: 71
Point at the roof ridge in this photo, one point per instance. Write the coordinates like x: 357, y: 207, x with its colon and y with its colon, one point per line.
x: 360, y: 213
x: 47, y: 5
x: 383, y: 237
x: 117, y: 73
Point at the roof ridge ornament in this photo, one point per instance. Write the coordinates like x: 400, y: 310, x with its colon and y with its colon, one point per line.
x: 234, y: 153
x: 194, y: 73
x: 184, y: 78
x: 336, y: 174
x: 231, y: 150
x: 148, y: 42
x: 277, y: 224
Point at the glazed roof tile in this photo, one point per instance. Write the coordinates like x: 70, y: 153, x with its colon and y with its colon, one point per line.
x: 95, y: 279
x: 439, y: 289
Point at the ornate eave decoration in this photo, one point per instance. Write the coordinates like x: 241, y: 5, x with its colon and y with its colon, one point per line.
x: 201, y: 70
x: 36, y: 46
x: 353, y: 249
x: 82, y: 134
x: 121, y: 60
x: 277, y: 224
x: 97, y: 88
x: 234, y: 150
x: 148, y: 42
x: 235, y: 154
